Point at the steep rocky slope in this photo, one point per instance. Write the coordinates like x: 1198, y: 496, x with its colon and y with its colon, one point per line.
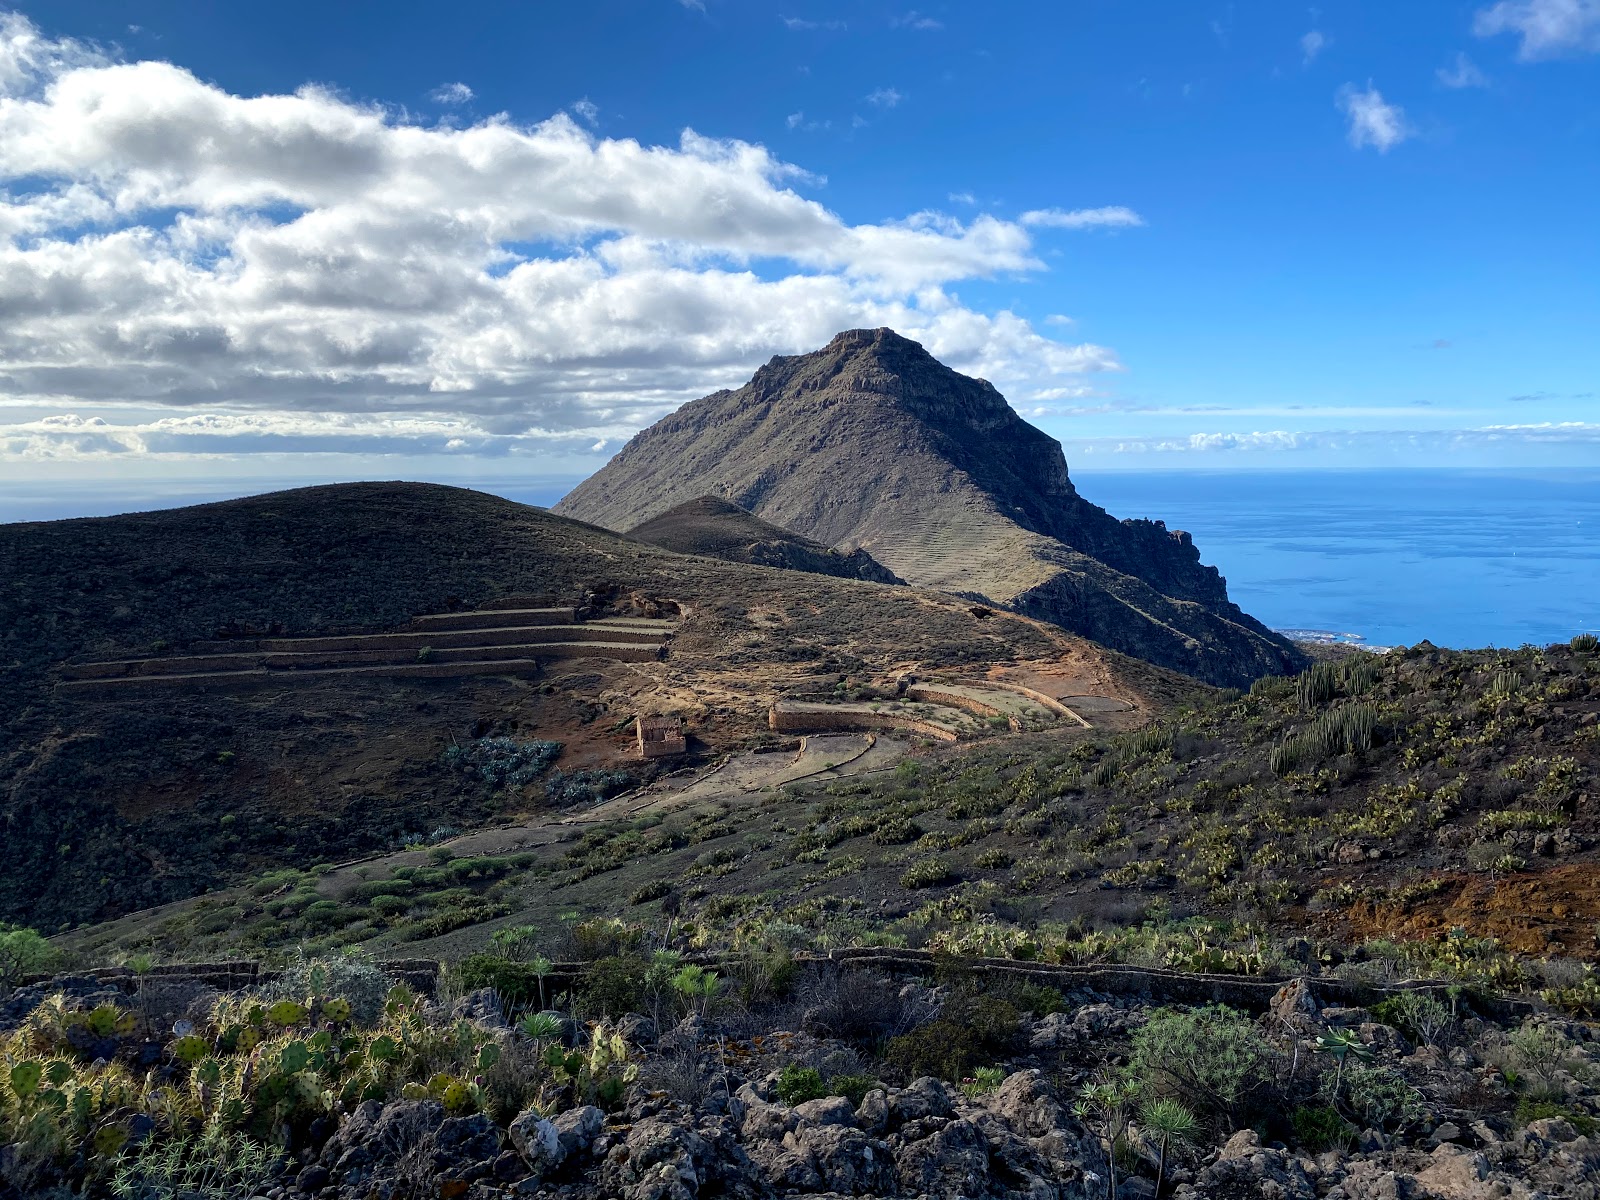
x: 718, y: 528
x: 872, y: 444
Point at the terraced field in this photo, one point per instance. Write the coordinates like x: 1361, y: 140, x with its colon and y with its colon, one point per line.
x: 491, y: 641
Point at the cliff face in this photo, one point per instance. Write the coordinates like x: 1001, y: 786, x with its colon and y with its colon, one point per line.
x: 718, y: 528
x: 872, y: 443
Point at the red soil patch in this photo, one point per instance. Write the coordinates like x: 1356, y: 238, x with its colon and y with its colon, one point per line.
x: 1553, y: 910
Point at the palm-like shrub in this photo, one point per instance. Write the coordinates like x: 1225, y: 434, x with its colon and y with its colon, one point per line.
x: 1212, y: 1060
x: 1171, y: 1124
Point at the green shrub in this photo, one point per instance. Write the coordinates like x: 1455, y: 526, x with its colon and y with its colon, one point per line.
x: 1040, y: 999
x: 1212, y: 1059
x: 994, y: 858
x: 604, y: 937
x: 216, y: 1164
x: 995, y: 1022
x: 896, y: 831
x: 517, y: 983
x: 1319, y: 1127
x: 983, y: 1081
x: 328, y: 914
x: 653, y: 890
x: 942, y: 1048
x: 450, y: 919
x: 1421, y: 1016
x: 22, y: 952
x: 797, y: 1084
x: 1585, y: 643
x: 389, y: 907
x: 853, y: 1088
x: 380, y: 887
x: 614, y: 986
x: 1530, y: 1109
x: 1381, y: 1097
x: 926, y: 872
x: 350, y: 976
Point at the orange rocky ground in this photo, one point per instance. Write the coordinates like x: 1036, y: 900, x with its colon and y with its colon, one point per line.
x: 1547, y: 910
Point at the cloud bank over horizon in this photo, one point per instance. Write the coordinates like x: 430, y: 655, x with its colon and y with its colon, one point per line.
x: 302, y: 272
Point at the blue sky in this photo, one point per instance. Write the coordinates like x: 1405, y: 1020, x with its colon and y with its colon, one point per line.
x: 275, y: 243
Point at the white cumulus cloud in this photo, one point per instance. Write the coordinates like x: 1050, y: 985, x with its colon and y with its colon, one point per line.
x: 452, y: 93
x: 1464, y: 73
x: 1311, y: 45
x: 884, y: 97
x: 1548, y: 28
x: 1373, y: 121
x: 1081, y: 218
x: 343, y: 269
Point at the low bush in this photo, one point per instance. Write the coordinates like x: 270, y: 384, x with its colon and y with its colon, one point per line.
x: 853, y: 1088
x: 1419, y: 1015
x: 352, y: 976
x: 1319, y: 1127
x: 516, y: 983
x: 926, y: 872
x: 614, y: 986
x: 1380, y: 1097
x: 942, y: 1048
x: 22, y: 952
x: 797, y: 1084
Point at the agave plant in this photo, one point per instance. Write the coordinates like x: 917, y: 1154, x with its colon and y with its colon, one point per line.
x: 1172, y: 1124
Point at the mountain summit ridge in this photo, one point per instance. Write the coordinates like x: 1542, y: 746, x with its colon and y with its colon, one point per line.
x: 871, y: 443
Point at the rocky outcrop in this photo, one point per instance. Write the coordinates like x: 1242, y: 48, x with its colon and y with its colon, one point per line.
x: 872, y: 444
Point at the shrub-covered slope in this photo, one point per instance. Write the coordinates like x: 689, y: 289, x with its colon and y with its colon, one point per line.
x: 115, y: 800
x: 1401, y: 797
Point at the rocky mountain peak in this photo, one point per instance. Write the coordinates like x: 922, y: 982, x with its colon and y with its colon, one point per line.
x: 871, y: 443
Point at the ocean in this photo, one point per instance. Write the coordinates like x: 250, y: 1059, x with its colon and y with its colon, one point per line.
x: 1461, y: 558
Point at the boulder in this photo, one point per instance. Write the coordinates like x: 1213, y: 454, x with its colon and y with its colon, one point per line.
x: 538, y: 1141
x: 830, y: 1110
x: 659, y: 1160
x: 950, y: 1164
x: 482, y: 1008
x: 873, y: 1114
x: 637, y: 1029
x: 920, y: 1099
x: 1553, y: 1129
x: 1246, y: 1168
x: 577, y: 1128
x: 1028, y: 1103
x: 1295, y: 1005
x: 1455, y: 1173
x: 465, y: 1148
x: 848, y: 1161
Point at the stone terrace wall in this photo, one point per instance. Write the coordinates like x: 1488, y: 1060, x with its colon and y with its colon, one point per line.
x: 937, y: 695
x: 1148, y: 984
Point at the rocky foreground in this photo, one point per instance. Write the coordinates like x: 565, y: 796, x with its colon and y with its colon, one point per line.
x: 1305, y: 1101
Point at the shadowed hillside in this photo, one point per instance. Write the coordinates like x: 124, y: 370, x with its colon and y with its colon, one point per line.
x: 121, y: 797
x: 720, y: 529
